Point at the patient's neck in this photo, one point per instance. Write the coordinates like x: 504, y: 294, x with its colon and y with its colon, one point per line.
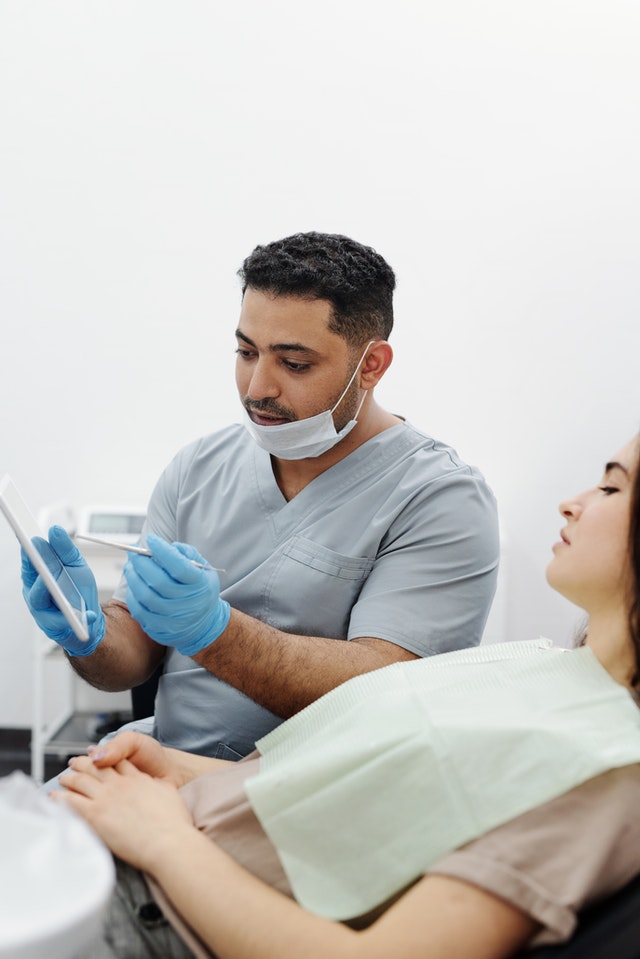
x: 609, y: 639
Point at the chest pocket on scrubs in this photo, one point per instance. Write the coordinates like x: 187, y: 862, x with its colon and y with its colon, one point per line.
x: 313, y: 589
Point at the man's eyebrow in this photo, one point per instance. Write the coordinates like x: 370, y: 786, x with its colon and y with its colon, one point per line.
x: 280, y: 347
x: 614, y: 465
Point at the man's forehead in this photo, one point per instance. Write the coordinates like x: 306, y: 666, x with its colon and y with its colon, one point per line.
x: 263, y: 298
x: 299, y: 322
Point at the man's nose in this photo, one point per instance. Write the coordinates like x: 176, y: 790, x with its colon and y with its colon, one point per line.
x: 262, y: 383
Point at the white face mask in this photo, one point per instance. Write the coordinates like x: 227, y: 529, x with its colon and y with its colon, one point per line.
x: 309, y: 437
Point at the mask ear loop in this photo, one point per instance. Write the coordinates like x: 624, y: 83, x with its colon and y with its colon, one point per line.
x: 353, y: 376
x: 360, y: 404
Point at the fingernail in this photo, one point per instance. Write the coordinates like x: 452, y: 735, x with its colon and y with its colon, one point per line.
x: 98, y: 754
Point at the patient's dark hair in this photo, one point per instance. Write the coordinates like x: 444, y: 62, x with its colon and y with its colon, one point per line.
x: 634, y: 555
x: 355, y: 279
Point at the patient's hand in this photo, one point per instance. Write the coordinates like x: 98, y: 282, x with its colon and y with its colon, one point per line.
x: 146, y: 754
x: 133, y: 813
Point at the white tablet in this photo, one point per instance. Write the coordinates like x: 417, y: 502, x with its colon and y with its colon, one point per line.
x: 63, y: 590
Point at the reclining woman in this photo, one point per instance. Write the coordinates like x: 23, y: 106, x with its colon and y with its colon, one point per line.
x: 468, y: 804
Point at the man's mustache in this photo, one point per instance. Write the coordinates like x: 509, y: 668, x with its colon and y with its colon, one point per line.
x: 270, y: 408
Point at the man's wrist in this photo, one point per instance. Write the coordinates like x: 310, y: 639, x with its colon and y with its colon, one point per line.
x: 216, y: 628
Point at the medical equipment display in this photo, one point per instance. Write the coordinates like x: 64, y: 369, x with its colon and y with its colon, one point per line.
x: 60, y: 585
x: 110, y: 522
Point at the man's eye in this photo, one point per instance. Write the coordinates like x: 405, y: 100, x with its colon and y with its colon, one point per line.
x: 296, y: 367
x: 245, y: 354
x: 609, y: 489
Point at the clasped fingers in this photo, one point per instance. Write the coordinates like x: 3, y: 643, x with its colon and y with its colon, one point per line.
x: 81, y: 773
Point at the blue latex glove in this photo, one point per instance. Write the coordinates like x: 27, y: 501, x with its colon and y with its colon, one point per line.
x: 61, y: 549
x: 176, y: 603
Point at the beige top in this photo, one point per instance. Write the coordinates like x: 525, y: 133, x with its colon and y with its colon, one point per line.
x: 549, y: 862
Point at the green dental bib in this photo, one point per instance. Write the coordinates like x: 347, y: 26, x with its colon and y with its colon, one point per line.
x: 364, y: 789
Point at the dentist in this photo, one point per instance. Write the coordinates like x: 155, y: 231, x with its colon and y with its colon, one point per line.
x: 349, y: 538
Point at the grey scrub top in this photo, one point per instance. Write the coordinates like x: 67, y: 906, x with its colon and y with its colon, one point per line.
x: 397, y: 541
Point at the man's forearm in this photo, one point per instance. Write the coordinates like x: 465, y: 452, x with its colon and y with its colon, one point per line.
x: 125, y: 657
x: 285, y: 672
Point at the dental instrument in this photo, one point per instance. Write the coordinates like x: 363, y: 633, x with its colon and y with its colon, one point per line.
x: 139, y: 549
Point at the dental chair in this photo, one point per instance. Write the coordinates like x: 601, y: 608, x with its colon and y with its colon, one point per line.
x: 608, y: 930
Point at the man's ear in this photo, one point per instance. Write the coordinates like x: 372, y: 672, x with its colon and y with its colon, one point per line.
x: 376, y: 363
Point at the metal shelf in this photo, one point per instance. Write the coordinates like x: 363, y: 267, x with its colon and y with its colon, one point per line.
x: 74, y: 735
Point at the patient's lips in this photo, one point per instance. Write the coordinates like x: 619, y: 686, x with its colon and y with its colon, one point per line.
x: 563, y: 541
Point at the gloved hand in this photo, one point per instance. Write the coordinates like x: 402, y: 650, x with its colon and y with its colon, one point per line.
x: 61, y: 549
x: 176, y: 603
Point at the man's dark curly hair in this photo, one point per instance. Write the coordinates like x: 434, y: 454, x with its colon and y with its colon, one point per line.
x: 355, y: 279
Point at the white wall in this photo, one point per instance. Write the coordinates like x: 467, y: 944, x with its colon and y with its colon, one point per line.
x: 489, y: 150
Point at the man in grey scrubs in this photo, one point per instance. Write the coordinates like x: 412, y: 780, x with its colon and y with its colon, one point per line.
x: 348, y: 538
